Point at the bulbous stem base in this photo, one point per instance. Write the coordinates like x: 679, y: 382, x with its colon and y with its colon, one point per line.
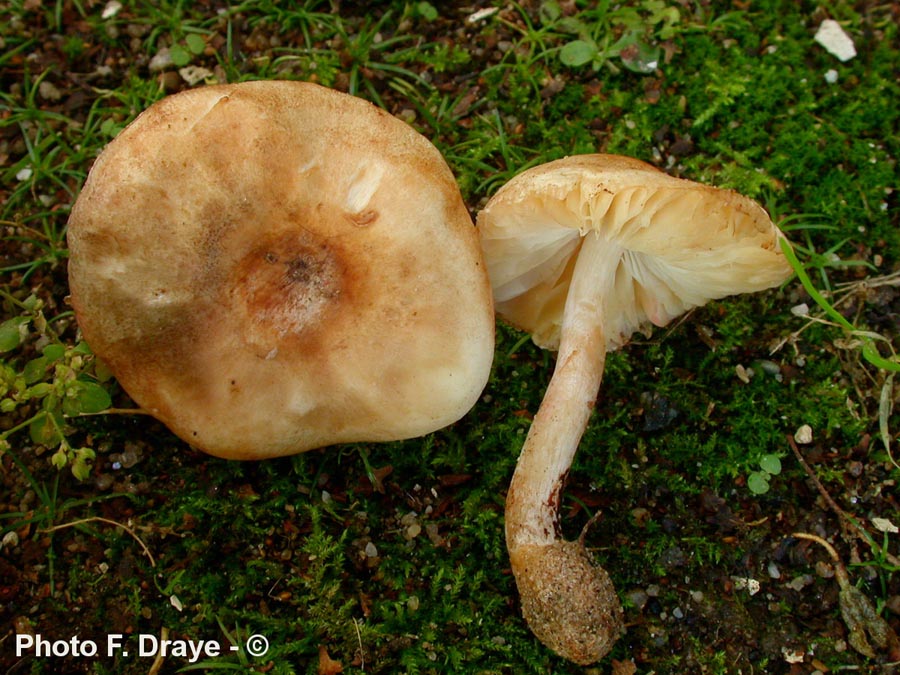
x: 569, y: 603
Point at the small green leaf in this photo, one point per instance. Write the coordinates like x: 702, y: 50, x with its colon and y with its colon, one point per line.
x: 35, y: 370
x: 82, y: 348
x: 640, y: 57
x: 110, y: 128
x: 32, y: 303
x: 569, y: 24
x: 54, y: 351
x: 550, y: 12
x: 758, y: 482
x: 50, y: 402
x: 59, y: 458
x: 81, y: 466
x: 195, y: 43
x: 85, y: 397
x: 180, y: 56
x: 770, y: 464
x: 11, y: 333
x: 577, y: 53
x: 44, y: 431
x: 427, y: 11
x: 40, y: 390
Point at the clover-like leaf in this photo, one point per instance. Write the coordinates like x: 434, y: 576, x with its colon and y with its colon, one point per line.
x: 770, y: 464
x: 758, y: 482
x: 180, y: 55
x: 85, y: 397
x: 577, y: 53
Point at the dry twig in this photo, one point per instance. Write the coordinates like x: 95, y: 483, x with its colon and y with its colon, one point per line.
x: 845, y: 518
x: 98, y: 519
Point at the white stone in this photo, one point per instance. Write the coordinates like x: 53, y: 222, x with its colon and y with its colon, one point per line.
x: 112, y: 8
x: 885, y: 525
x: 482, y: 14
x: 835, y: 41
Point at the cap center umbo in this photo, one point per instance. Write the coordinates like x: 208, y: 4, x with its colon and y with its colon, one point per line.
x: 286, y: 287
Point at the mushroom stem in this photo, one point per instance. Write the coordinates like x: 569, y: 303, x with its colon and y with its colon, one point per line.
x: 569, y: 603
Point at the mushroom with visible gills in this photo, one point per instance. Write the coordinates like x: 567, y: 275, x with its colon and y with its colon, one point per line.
x: 582, y: 252
x: 271, y: 267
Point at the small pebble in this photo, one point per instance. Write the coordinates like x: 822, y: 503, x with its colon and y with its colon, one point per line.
x: 804, y: 435
x: 112, y: 8
x: 49, y: 91
x: 161, y: 60
x: 10, y: 540
x: 103, y: 481
x: 824, y: 570
x: 801, y: 582
x: 482, y: 14
x: 835, y: 40
x: 431, y: 529
x: 792, y: 655
x: 638, y: 598
x: 885, y: 525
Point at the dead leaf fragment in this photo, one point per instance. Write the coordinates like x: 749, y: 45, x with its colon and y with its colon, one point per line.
x: 623, y: 667
x: 327, y: 665
x: 868, y: 631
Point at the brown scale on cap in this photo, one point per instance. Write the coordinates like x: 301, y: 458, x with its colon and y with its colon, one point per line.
x: 288, y: 288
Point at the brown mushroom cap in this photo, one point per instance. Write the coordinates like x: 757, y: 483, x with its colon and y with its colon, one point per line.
x: 679, y: 243
x: 271, y: 267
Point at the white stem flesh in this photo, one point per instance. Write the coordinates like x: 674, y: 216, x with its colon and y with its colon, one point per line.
x: 533, y: 498
x: 569, y: 603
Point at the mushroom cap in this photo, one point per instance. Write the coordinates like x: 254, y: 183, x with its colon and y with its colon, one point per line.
x: 271, y: 267
x: 680, y: 243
